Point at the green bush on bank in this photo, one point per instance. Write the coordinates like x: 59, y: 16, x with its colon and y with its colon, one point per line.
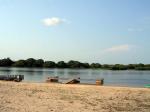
x: 31, y: 62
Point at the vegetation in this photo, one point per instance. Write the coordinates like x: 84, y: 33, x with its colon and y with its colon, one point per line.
x: 6, y: 62
x: 49, y: 64
x: 31, y: 62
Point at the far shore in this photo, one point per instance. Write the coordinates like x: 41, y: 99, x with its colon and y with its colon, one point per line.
x: 53, y: 97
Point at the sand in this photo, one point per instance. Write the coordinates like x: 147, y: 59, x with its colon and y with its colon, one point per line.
x: 47, y: 97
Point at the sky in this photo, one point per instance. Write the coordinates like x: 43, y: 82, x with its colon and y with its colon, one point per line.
x: 102, y: 31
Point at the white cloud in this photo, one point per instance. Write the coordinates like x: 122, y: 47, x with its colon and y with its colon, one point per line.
x: 54, y: 21
x: 120, y: 48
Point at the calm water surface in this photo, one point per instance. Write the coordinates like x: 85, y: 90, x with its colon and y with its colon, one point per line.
x: 120, y: 78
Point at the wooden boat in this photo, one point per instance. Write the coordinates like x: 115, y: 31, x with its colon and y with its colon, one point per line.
x: 73, y: 81
x: 52, y: 79
x: 100, y: 82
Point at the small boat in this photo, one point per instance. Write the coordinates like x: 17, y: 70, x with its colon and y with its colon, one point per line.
x: 52, y: 79
x: 147, y: 86
x: 16, y: 78
x: 72, y: 81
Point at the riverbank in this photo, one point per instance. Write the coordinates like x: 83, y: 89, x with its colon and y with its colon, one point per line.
x: 46, y: 97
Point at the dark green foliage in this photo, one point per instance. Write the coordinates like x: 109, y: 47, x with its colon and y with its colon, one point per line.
x: 106, y: 66
x: 142, y: 68
x: 85, y: 65
x: 148, y: 65
x: 61, y: 64
x: 31, y: 62
x: 20, y: 63
x: 39, y: 63
x: 49, y: 64
x: 119, y: 67
x: 95, y: 65
x: 131, y: 66
x: 74, y: 64
x: 140, y: 65
x: 6, y: 62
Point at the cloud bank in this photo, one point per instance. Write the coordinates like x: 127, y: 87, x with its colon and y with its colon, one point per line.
x: 120, y: 48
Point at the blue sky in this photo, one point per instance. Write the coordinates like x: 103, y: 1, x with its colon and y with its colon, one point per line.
x: 103, y: 31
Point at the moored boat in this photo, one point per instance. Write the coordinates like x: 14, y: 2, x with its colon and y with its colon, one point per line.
x: 16, y: 78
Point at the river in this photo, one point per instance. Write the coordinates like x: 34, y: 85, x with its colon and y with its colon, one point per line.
x: 129, y: 78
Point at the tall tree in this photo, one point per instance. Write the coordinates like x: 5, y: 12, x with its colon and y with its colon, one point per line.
x: 39, y: 63
x: 95, y: 65
x: 6, y: 62
x: 30, y: 62
x: 20, y: 63
x: 74, y: 64
x: 49, y: 64
x: 61, y: 64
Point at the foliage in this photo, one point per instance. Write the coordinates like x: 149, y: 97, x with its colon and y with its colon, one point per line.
x: 74, y: 64
x: 39, y: 63
x: 49, y: 64
x: 119, y: 67
x: 61, y: 64
x: 20, y: 63
x: 31, y: 62
x: 6, y: 62
x: 84, y: 65
x: 95, y: 65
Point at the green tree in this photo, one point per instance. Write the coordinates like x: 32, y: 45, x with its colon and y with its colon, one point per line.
x: 140, y: 65
x: 96, y: 65
x: 119, y: 67
x: 20, y: 63
x: 131, y: 66
x: 74, y: 64
x: 6, y: 62
x: 85, y: 65
x: 61, y: 64
x: 39, y: 63
x: 30, y: 62
x: 106, y: 66
x: 49, y: 64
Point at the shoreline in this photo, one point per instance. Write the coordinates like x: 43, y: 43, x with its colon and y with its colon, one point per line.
x: 74, y: 85
x: 86, y: 84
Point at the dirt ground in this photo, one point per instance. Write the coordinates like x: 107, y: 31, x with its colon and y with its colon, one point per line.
x: 47, y: 97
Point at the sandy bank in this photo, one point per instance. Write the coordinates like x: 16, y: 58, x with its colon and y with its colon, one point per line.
x: 43, y: 97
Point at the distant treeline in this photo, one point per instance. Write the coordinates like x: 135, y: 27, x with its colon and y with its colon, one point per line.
x: 31, y: 62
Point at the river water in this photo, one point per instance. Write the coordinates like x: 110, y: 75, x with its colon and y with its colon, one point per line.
x: 130, y: 78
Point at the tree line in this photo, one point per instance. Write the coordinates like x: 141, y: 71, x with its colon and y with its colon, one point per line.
x: 40, y: 63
